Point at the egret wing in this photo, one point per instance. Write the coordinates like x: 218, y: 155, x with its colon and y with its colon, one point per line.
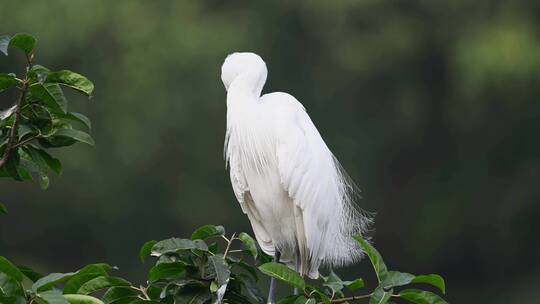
x: 315, y: 181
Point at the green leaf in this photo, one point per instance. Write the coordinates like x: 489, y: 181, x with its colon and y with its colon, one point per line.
x: 4, y: 44
x: 11, y: 168
x: 56, y: 141
x: 219, y: 268
x: 396, y: 278
x: 7, y: 81
x: 354, y: 285
x: 12, y: 299
x: 320, y: 293
x: 10, y: 287
x: 333, y: 282
x: 52, y: 95
x: 52, y: 297
x: 84, y: 275
x: 115, y: 294
x: 38, y: 73
x: 299, y: 300
x: 290, y: 299
x: 380, y: 296
x: 24, y: 42
x: 29, y: 273
x: 72, y: 80
x: 421, y: 297
x: 3, y: 209
x: 186, y: 286
x: 207, y: 231
x: 146, y: 249
x: 77, y: 135
x: 283, y: 273
x: 245, y: 266
x: 375, y: 258
x: 14, y: 168
x: 10, y: 270
x: 213, y: 287
x: 101, y: 283
x: 78, y: 117
x: 251, y: 288
x: 433, y: 279
x: 82, y: 299
x: 48, y: 281
x: 166, y: 270
x: 213, y: 248
x: 52, y: 162
x: 39, y: 168
x: 250, y: 244
x: 176, y: 244
x: 43, y: 178
x: 192, y: 297
x: 24, y: 130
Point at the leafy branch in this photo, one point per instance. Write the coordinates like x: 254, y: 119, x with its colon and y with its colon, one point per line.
x: 194, y: 271
x: 334, y: 288
x: 39, y: 120
x: 22, y: 42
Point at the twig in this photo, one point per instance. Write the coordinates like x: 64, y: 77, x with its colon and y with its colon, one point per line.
x: 143, y: 291
x: 341, y: 300
x: 13, y: 134
x: 229, y: 242
x: 11, y: 145
x: 26, y: 141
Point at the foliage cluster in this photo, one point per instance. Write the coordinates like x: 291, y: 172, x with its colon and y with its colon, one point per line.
x: 209, y: 267
x: 39, y: 120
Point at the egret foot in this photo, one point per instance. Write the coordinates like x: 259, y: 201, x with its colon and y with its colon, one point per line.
x: 272, y: 289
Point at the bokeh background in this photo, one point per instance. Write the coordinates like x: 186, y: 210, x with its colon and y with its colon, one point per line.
x: 431, y: 106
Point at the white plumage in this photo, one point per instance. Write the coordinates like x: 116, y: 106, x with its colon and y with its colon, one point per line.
x: 296, y: 195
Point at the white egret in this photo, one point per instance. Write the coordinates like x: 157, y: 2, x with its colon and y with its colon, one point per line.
x: 296, y: 195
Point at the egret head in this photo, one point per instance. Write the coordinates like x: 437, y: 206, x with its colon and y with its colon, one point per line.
x: 249, y: 66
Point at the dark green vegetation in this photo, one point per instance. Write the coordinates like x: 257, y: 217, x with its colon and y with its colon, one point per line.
x: 431, y: 106
x: 187, y: 270
x: 195, y: 271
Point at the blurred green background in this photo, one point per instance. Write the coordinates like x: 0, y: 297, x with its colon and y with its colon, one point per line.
x: 431, y: 106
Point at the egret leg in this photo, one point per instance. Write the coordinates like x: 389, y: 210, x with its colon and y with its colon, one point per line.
x: 272, y: 291
x: 297, y: 268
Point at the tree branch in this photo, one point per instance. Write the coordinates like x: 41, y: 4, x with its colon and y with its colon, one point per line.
x: 14, y: 132
x: 341, y: 300
x: 12, y: 140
